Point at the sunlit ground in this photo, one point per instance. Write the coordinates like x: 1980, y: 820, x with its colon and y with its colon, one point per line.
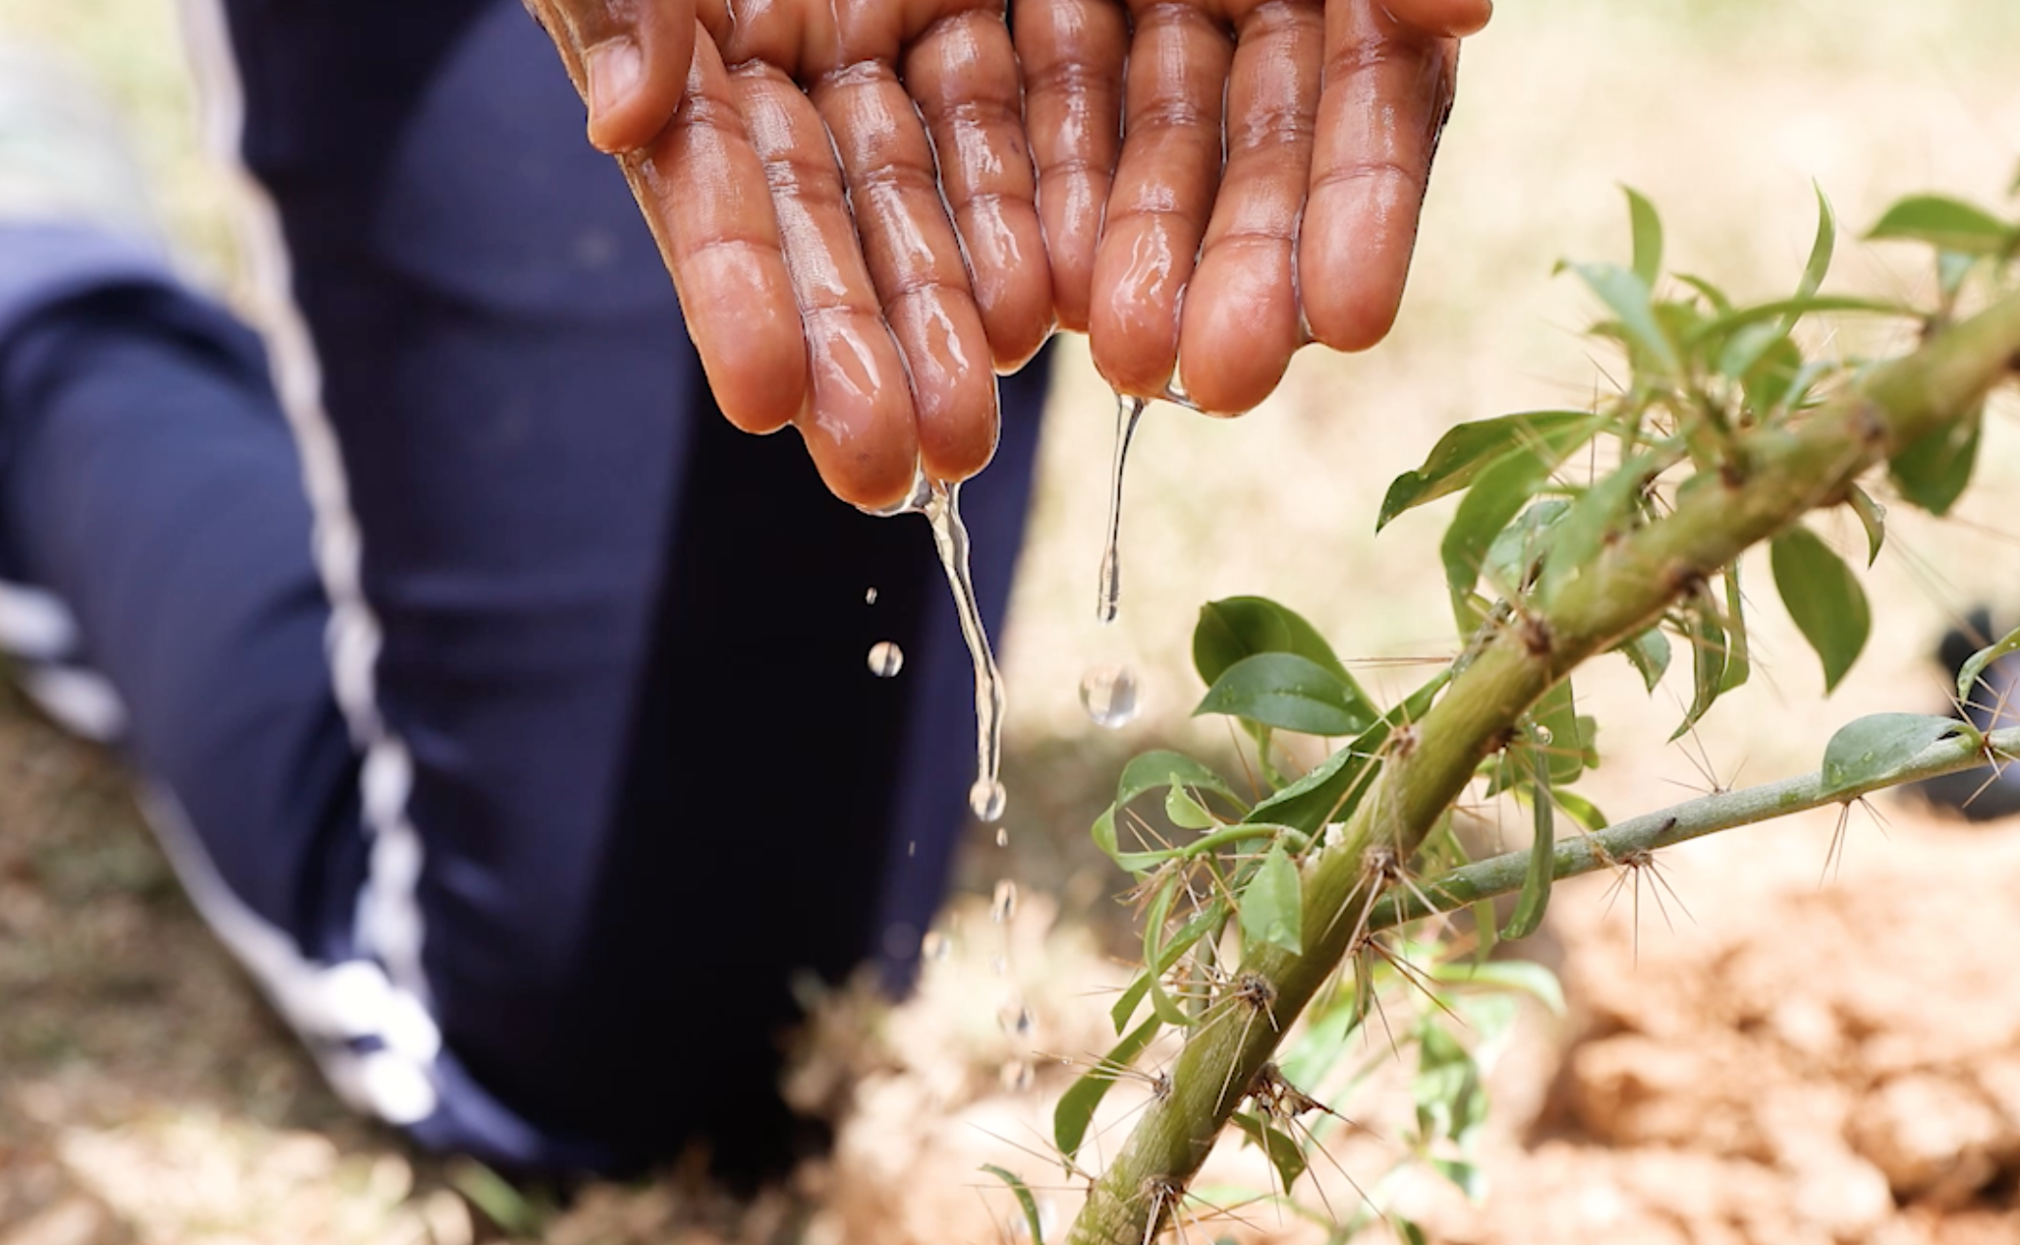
x: 145, y: 1096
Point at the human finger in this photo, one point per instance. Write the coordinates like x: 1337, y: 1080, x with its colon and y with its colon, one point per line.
x: 703, y: 190
x: 1164, y: 188
x: 1072, y: 52
x: 962, y: 73
x: 1239, y: 325
x: 1387, y: 90
x: 858, y: 421
x: 629, y: 60
x: 1454, y: 19
x: 914, y: 263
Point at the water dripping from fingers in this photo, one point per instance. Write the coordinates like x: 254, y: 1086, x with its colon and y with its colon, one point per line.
x: 1108, y: 601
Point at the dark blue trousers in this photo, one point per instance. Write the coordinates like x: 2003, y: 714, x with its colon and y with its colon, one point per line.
x: 527, y: 751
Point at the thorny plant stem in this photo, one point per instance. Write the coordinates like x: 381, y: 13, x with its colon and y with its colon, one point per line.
x: 1722, y: 810
x: 1776, y: 475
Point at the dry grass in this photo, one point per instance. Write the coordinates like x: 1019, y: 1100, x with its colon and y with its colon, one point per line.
x: 144, y: 1095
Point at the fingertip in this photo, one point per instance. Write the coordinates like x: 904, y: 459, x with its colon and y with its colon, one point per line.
x: 1236, y: 342
x: 1451, y: 19
x: 635, y: 87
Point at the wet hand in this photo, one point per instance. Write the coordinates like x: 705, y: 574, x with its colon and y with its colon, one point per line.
x: 834, y: 274
x: 1224, y: 180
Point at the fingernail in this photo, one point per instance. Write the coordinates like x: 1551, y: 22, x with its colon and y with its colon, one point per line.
x: 615, y: 68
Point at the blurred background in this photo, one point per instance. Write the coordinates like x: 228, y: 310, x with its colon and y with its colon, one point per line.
x: 1807, y: 1060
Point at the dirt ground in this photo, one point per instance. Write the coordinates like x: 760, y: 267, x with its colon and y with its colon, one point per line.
x: 1800, y: 1059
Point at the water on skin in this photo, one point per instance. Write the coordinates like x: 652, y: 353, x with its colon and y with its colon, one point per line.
x: 1108, y: 694
x: 1108, y: 602
x: 886, y: 659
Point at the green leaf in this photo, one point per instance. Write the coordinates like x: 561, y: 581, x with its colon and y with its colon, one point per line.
x: 1720, y: 304
x: 1967, y: 674
x: 1331, y: 789
x: 1647, y: 229
x: 1272, y: 906
x: 1628, y: 297
x: 1950, y: 224
x: 500, y: 1200
x: 1820, y: 255
x: 1789, y: 310
x: 1153, y: 771
x: 1535, y: 896
x: 1283, y: 1152
x: 1495, y: 498
x: 1874, y: 746
x: 1290, y: 693
x: 1070, y: 1119
x: 1933, y: 470
x: 1738, y: 659
x: 1648, y: 653
x: 1515, y: 554
x: 1872, y: 517
x: 1595, y: 516
x: 1823, y: 597
x: 1708, y: 650
x: 1173, y: 948
x: 1153, y: 953
x: 1469, y: 449
x: 1468, y: 1177
x: 1952, y: 268
x: 1024, y: 1199
x: 1185, y: 812
x: 1580, y: 810
x: 1555, y: 727
x: 1511, y: 976
x: 1409, y: 1231
x: 1237, y: 627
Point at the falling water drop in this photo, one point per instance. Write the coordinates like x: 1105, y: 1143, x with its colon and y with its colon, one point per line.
x: 1002, y: 837
x: 1016, y: 1020
x: 1108, y: 693
x: 1004, y: 906
x: 886, y: 659
x: 869, y: 596
x: 1017, y: 1075
x: 1108, y: 600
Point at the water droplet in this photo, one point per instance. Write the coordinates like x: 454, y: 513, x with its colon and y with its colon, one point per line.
x: 935, y: 946
x: 886, y: 659
x: 1108, y: 600
x: 911, y: 847
x: 1002, y: 837
x: 986, y: 799
x: 1541, y: 733
x: 1017, y: 1074
x: 1004, y: 905
x: 1017, y: 1020
x: 869, y: 596
x: 1174, y: 393
x: 1108, y: 693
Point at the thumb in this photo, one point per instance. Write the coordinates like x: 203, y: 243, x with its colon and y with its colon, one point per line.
x: 629, y: 60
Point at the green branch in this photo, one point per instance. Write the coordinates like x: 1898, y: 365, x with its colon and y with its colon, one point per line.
x: 1774, y: 475
x: 1723, y: 810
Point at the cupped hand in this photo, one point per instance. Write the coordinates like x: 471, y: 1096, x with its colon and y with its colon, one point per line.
x: 844, y: 196
x: 1224, y: 180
